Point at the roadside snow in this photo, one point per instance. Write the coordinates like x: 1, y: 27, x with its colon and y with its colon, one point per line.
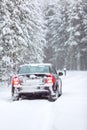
x: 71, y: 109
x: 67, y: 113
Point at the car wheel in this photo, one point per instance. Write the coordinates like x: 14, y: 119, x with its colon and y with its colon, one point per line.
x: 60, y: 87
x: 54, y: 97
x: 15, y: 96
x: 12, y: 90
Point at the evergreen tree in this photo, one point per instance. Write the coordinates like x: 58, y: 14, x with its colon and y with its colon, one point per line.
x: 21, y: 33
x: 67, y: 34
x: 77, y: 35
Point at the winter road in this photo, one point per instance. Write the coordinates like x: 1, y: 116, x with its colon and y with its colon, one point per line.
x: 69, y: 112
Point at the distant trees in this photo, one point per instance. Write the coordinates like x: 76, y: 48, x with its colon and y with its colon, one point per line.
x: 67, y: 34
x: 78, y: 34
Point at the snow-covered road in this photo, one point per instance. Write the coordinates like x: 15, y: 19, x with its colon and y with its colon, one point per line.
x: 69, y: 112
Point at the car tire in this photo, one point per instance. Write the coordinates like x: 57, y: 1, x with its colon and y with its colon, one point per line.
x: 14, y: 97
x: 12, y: 91
x: 60, y: 87
x: 54, y: 98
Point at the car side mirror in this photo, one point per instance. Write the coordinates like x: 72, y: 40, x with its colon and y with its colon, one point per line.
x: 60, y: 73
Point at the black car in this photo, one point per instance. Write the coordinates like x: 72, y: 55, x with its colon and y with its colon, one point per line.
x: 37, y: 79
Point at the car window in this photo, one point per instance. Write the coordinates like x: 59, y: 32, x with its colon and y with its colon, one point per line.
x: 33, y: 69
x: 52, y: 69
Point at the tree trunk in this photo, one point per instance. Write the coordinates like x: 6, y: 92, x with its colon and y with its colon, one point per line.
x: 78, y: 60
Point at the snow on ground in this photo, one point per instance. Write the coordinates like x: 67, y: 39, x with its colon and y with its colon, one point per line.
x: 67, y: 113
x: 72, y: 106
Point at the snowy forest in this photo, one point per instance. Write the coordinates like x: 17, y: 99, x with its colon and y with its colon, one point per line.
x: 36, y: 31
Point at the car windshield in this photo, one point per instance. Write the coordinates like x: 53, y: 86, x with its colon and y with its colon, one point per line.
x: 33, y: 69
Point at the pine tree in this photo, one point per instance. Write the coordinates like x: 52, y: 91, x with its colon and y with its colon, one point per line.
x: 77, y: 34
x: 67, y: 34
x: 22, y: 33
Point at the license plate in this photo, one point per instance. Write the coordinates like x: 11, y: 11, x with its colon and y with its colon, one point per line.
x: 33, y: 82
